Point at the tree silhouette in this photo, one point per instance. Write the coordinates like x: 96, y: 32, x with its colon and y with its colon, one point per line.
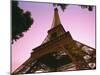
x: 63, y: 6
x: 21, y: 21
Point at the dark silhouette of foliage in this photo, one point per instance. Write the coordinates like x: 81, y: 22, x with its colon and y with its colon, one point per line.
x: 21, y: 21
x: 63, y: 6
x: 90, y: 8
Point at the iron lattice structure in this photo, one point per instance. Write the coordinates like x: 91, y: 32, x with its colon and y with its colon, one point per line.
x: 59, y: 52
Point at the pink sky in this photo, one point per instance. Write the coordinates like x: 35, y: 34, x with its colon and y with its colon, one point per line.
x: 80, y: 22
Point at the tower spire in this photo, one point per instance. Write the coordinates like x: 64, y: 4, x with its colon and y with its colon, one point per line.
x: 56, y: 19
x: 55, y: 24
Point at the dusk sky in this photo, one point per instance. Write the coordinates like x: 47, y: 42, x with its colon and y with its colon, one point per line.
x: 80, y: 22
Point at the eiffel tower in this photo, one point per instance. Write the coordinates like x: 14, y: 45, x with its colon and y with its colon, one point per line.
x: 59, y: 52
